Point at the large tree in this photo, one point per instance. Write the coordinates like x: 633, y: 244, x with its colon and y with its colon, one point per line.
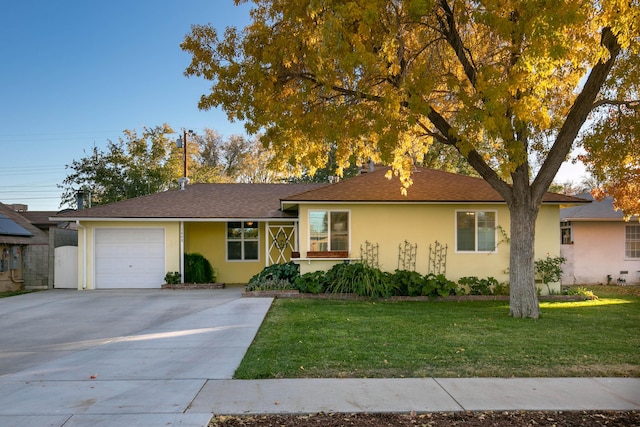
x: 506, y: 83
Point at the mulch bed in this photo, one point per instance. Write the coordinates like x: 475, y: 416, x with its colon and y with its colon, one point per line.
x: 467, y: 419
x: 193, y: 286
x: 352, y: 297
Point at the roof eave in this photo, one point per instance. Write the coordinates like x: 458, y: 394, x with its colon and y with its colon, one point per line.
x: 184, y: 219
x: 617, y: 219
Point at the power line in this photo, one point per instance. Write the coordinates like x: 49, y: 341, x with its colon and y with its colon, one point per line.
x: 28, y: 191
x: 29, y: 198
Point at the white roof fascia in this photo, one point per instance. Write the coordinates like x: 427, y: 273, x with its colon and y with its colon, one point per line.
x: 270, y: 219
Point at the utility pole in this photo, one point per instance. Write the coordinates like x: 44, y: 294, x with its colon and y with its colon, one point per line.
x: 183, y: 142
x: 185, y: 152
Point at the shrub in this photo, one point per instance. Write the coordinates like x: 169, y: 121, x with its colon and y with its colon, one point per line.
x: 437, y: 285
x: 274, y: 277
x: 502, y: 289
x: 357, y: 278
x: 198, y: 269
x: 288, y: 271
x: 405, y: 282
x: 549, y: 269
x: 313, y: 282
x: 479, y: 286
x: 172, y: 278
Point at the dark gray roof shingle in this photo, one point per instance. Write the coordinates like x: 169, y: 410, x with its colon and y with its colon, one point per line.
x: 258, y: 201
x: 596, y: 210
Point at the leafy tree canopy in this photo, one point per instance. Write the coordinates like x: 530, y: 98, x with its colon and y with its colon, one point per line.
x: 385, y: 79
x: 613, y: 155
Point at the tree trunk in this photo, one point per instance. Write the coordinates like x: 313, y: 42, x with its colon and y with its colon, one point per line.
x: 523, y: 297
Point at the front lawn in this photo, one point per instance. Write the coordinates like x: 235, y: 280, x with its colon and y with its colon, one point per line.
x: 326, y: 338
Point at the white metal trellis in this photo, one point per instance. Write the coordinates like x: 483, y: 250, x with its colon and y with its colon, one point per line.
x: 281, y: 241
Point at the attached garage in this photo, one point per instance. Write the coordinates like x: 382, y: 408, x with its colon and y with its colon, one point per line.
x: 129, y: 257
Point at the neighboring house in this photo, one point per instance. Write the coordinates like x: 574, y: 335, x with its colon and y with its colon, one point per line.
x: 62, y: 250
x: 241, y: 228
x: 599, y: 246
x: 24, y: 253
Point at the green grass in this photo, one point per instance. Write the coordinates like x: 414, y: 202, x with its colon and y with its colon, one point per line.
x: 6, y: 294
x: 325, y: 338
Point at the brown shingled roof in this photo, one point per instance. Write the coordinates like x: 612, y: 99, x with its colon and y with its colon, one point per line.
x: 37, y: 237
x: 429, y: 185
x: 40, y: 218
x: 201, y: 201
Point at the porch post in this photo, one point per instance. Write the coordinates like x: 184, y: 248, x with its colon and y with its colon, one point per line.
x: 267, y: 254
x: 181, y: 251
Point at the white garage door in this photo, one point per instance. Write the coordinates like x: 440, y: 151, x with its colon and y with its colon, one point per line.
x: 129, y: 257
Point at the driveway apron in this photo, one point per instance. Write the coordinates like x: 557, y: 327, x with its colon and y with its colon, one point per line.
x: 126, y: 357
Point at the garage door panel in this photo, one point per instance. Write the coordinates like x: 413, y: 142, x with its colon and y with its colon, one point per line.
x: 129, y: 257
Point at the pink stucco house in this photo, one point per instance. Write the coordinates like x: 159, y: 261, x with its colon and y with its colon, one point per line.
x: 599, y: 246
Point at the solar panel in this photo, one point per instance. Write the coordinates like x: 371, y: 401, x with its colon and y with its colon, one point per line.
x: 10, y: 228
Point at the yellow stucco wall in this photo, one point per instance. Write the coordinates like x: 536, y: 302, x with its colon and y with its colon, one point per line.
x: 385, y: 225
x: 209, y: 239
x: 86, y: 231
x: 390, y: 225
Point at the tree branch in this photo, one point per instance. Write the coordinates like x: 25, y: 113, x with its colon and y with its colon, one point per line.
x: 339, y: 89
x: 448, y: 28
x: 473, y: 157
x: 576, y: 117
x: 629, y: 104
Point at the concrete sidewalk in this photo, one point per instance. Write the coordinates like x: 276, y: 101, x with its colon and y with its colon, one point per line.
x: 421, y: 395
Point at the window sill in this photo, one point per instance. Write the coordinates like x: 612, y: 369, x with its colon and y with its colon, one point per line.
x: 328, y: 254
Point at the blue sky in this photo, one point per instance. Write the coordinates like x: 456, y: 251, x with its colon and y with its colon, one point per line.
x: 77, y: 73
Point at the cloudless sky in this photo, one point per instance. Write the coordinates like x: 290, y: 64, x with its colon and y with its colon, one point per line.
x: 77, y: 73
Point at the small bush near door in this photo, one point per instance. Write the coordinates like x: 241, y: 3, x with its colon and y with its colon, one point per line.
x: 172, y: 278
x: 198, y: 269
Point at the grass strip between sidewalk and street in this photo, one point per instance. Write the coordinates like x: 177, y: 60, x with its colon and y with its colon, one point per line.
x: 313, y: 338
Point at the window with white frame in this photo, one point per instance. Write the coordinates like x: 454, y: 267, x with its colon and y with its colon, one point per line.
x: 328, y: 231
x: 475, y: 231
x: 632, y: 241
x: 566, y: 233
x: 243, y: 241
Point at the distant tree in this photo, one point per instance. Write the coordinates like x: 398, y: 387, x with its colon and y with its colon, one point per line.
x: 133, y: 166
x: 569, y: 188
x: 234, y: 159
x: 257, y: 166
x: 207, y: 157
x: 506, y: 84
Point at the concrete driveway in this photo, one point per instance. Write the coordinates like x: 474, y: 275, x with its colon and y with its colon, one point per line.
x: 125, y: 357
